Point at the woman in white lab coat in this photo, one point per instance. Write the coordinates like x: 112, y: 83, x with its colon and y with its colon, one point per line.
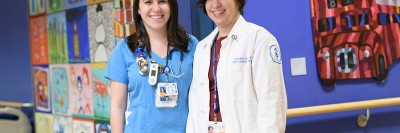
x: 237, y: 82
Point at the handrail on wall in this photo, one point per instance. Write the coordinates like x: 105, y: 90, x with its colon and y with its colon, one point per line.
x: 15, y: 104
x: 362, y: 119
x: 343, y: 107
x: 303, y: 111
x: 313, y: 110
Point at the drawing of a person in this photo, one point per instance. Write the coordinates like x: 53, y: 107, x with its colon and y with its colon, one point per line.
x: 79, y: 87
x: 42, y: 96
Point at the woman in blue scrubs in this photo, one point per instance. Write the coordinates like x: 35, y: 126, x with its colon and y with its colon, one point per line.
x: 159, y: 56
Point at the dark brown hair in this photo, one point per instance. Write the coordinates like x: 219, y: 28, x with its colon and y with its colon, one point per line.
x: 177, y: 35
x: 241, y: 3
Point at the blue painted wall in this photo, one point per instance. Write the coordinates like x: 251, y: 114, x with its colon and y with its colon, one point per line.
x: 15, y: 69
x: 290, y: 23
x: 193, y: 19
x: 184, y: 14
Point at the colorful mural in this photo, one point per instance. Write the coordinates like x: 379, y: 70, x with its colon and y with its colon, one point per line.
x: 42, y: 90
x: 355, y: 38
x: 62, y: 124
x: 80, y: 125
x: 77, y: 34
x: 103, y: 128
x: 43, y: 122
x: 91, y: 2
x: 69, y: 4
x: 37, y: 7
x: 54, y: 6
x: 38, y: 37
x: 82, y: 92
x: 60, y: 89
x: 71, y: 42
x: 57, y: 38
x: 101, y: 37
x: 101, y: 93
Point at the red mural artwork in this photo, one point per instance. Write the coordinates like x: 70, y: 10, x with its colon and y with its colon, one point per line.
x: 355, y: 38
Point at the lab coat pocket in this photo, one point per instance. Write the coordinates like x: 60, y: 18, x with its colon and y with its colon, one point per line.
x: 240, y: 78
x: 240, y: 75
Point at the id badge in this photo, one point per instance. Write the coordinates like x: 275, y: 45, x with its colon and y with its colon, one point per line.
x: 166, y: 95
x: 215, y: 127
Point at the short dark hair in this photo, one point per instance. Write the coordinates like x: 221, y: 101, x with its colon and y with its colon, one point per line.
x: 210, y: 127
x: 241, y: 3
x: 177, y: 35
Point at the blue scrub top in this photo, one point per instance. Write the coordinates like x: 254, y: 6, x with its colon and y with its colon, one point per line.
x: 142, y: 114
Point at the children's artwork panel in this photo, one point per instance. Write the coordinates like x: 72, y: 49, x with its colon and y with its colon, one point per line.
x: 54, y: 6
x: 101, y: 92
x: 62, y: 124
x: 69, y: 4
x: 37, y: 7
x: 101, y: 37
x: 81, y: 125
x: 41, y: 89
x: 77, y: 34
x: 38, y: 40
x: 43, y: 123
x: 103, y: 128
x: 57, y: 38
x: 355, y: 39
x: 81, y: 90
x: 91, y: 2
x: 60, y: 89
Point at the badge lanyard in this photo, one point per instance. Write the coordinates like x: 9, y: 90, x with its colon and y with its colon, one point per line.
x: 215, y: 106
x: 166, y: 68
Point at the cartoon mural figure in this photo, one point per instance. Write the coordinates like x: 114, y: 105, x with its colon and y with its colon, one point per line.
x: 355, y: 38
x: 102, y: 91
x: 81, y: 109
x: 42, y: 95
x: 83, y: 106
x: 42, y: 90
x: 101, y: 37
x: 82, y: 92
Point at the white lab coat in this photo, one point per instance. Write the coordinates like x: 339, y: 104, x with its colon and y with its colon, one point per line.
x: 251, y: 89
